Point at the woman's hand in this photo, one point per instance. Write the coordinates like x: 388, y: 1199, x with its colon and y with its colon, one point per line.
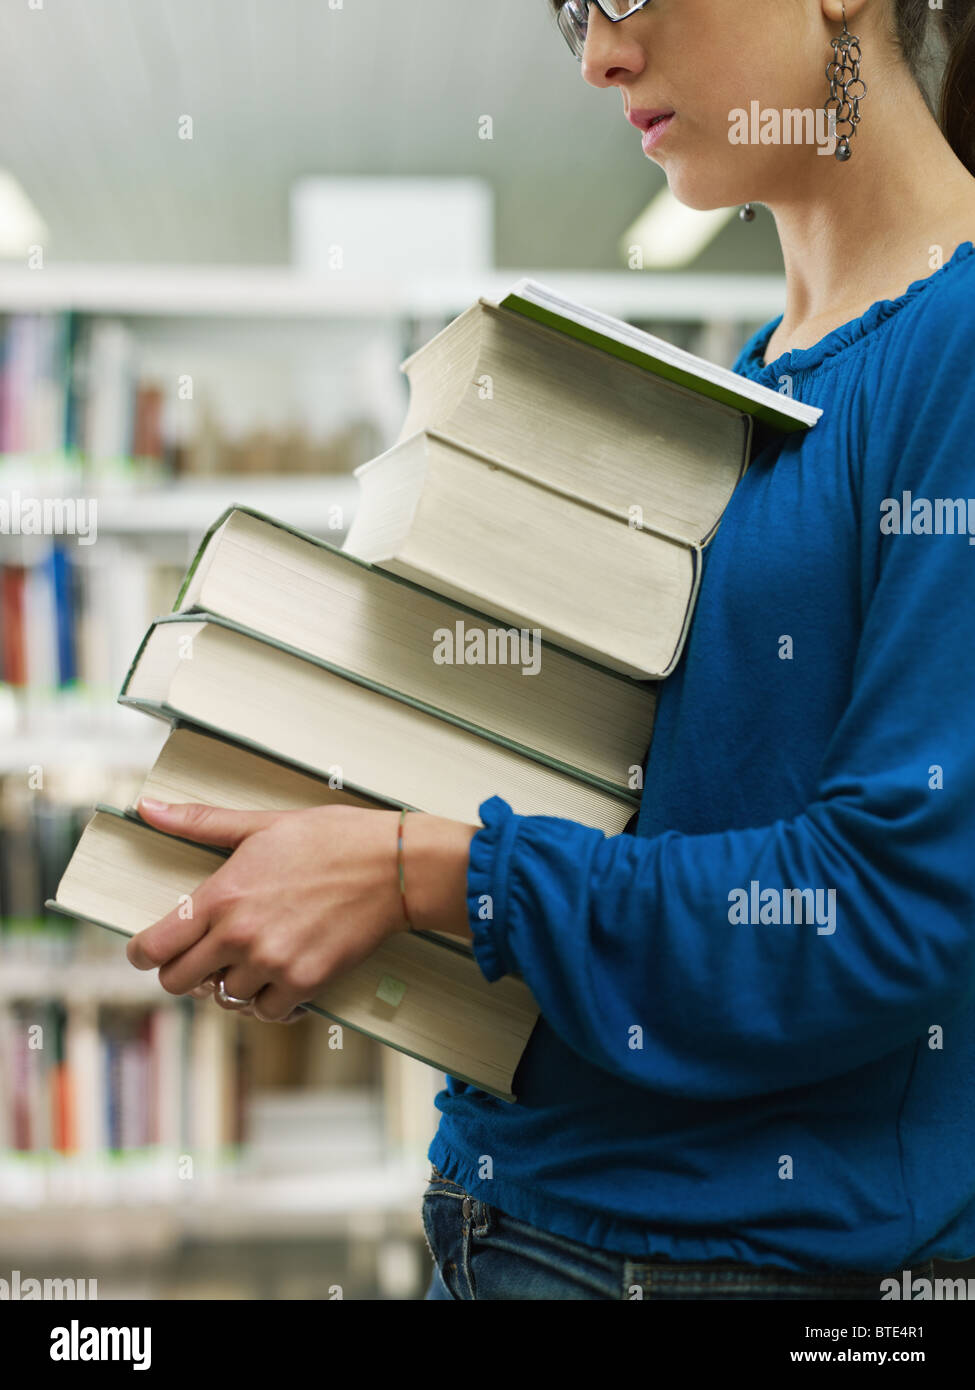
x: 304, y: 896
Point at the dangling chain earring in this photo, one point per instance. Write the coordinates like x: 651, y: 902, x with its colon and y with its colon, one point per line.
x: 843, y: 74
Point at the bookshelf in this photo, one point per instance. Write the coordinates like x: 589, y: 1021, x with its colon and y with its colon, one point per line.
x: 279, y: 293
x: 187, y: 508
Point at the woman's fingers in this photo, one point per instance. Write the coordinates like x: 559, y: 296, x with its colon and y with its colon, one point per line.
x: 206, y: 989
x: 206, y: 825
x: 251, y: 1012
x: 265, y: 1009
x: 172, y: 935
x: 240, y: 982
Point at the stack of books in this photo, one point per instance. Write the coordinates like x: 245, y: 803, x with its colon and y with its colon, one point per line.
x: 521, y: 570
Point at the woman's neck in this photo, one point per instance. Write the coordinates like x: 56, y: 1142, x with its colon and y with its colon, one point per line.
x: 856, y: 232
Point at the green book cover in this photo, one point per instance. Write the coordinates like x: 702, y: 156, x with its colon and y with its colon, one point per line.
x: 726, y: 393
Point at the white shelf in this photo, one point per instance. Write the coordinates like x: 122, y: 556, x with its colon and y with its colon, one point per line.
x: 360, y: 1202
x: 279, y: 292
x: 192, y: 504
x: 109, y: 981
x: 116, y: 750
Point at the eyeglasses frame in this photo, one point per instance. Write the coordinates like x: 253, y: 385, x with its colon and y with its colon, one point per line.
x: 601, y: 6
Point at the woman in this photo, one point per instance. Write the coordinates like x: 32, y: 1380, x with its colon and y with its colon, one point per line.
x: 718, y: 1104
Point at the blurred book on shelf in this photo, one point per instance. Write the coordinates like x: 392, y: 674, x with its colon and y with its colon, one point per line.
x: 42, y: 814
x: 77, y: 399
x: 100, y: 1063
x: 86, y: 1080
x: 96, y: 1061
x: 69, y: 616
x: 213, y: 452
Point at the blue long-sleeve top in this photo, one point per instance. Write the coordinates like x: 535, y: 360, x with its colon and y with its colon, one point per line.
x: 720, y: 1070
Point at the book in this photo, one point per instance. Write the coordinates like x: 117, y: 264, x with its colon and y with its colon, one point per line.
x: 534, y: 424
x: 70, y: 618
x: 294, y: 588
x: 449, y: 519
x: 365, y: 739
x: 627, y: 423
x: 413, y: 993
x: 652, y: 354
x: 212, y: 771
x: 592, y: 428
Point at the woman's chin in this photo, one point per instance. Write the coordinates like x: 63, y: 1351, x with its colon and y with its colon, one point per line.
x: 700, y: 198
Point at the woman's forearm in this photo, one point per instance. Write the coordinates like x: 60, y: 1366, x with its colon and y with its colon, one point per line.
x: 435, y: 857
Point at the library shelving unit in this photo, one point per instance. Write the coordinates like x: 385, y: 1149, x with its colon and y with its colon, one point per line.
x: 253, y: 292
x: 311, y: 1158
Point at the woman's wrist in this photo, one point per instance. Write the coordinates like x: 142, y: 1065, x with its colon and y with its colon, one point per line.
x: 433, y: 853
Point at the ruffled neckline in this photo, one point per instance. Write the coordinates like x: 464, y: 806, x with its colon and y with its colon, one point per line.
x: 802, y: 359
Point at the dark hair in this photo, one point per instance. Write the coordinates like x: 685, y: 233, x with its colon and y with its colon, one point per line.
x: 956, y: 104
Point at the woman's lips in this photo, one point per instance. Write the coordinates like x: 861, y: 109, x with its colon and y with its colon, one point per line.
x: 653, y: 136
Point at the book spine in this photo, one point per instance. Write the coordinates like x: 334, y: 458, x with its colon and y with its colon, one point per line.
x: 62, y: 586
x: 22, y: 1135
x: 12, y: 581
x: 111, y: 1048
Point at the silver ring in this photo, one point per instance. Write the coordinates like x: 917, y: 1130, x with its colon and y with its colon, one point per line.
x: 230, y: 1001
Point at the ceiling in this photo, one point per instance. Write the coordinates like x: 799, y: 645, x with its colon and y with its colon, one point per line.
x: 93, y: 93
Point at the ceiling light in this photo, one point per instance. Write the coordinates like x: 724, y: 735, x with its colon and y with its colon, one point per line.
x: 669, y: 234
x: 21, y: 225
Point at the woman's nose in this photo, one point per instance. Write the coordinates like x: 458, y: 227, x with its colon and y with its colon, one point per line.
x: 612, y: 52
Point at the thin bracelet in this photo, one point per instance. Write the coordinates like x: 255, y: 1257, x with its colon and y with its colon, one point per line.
x: 399, y: 862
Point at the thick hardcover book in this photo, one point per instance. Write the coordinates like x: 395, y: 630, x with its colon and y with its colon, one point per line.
x: 416, y: 993
x: 564, y: 471
x: 443, y: 515
x: 327, y: 721
x: 287, y: 586
x: 206, y: 768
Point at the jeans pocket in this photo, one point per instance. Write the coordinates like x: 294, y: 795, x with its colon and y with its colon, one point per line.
x: 428, y: 1235
x: 446, y: 1232
x: 512, y: 1260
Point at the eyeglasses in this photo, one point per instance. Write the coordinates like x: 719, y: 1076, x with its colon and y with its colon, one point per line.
x: 573, y: 18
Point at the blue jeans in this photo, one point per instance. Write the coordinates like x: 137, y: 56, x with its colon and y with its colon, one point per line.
x: 481, y: 1252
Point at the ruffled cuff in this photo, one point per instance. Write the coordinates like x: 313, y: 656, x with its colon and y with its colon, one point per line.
x: 487, y: 887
